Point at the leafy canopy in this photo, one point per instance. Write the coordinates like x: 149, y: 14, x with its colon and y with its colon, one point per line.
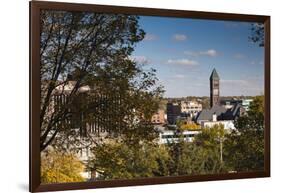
x: 93, y: 50
x: 59, y: 167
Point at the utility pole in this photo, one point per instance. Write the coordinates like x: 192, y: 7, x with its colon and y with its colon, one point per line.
x: 221, y: 141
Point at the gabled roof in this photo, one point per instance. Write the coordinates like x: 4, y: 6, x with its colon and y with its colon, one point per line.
x: 233, y: 112
x: 221, y: 112
x: 207, y: 114
x: 214, y: 75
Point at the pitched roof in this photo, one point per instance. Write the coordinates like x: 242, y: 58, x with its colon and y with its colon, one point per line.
x: 214, y: 75
x: 233, y: 112
x: 221, y: 112
x: 207, y: 114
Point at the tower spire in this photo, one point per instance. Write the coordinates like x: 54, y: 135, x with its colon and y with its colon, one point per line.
x: 214, y: 75
x: 214, y: 88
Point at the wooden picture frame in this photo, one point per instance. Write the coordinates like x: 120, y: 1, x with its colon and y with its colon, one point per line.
x: 36, y: 6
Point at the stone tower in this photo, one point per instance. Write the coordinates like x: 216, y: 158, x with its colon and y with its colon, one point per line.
x: 214, y: 88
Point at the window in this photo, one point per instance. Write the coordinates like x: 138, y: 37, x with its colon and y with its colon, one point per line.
x: 216, y: 91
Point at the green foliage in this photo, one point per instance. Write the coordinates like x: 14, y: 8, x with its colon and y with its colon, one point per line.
x: 122, y: 161
x: 213, y: 151
x: 59, y: 167
x: 208, y: 146
x: 210, y: 136
x: 194, y: 159
x: 202, y: 156
x: 245, y: 147
x: 257, y: 106
x: 94, y: 50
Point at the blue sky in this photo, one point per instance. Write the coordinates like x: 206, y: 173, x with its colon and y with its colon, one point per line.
x: 185, y: 51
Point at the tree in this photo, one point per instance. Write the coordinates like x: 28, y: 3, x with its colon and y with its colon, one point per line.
x: 195, y: 158
x: 122, y: 161
x: 202, y: 156
x: 57, y: 167
x: 211, y: 136
x: 257, y: 34
x: 119, y: 159
x: 184, y: 125
x: 212, y: 139
x: 245, y: 147
x: 93, y: 50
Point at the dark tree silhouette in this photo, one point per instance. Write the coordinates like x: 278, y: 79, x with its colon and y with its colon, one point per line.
x: 257, y: 34
x: 85, y: 55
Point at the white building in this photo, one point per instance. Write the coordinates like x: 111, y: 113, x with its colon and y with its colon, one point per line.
x: 191, y: 107
x: 246, y: 103
x: 170, y: 136
x: 227, y: 124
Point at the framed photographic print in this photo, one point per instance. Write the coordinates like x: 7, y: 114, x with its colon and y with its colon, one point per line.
x: 123, y: 96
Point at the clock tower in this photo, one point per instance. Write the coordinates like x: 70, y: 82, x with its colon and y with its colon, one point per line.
x: 214, y: 88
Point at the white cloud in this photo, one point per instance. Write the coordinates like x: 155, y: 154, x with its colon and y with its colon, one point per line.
x: 210, y: 52
x: 185, y: 62
x: 140, y: 59
x: 179, y: 37
x: 150, y: 37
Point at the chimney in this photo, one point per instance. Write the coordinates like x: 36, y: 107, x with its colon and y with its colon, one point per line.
x: 214, y: 117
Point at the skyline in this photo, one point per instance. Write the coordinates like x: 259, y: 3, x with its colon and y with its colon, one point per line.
x: 185, y: 51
